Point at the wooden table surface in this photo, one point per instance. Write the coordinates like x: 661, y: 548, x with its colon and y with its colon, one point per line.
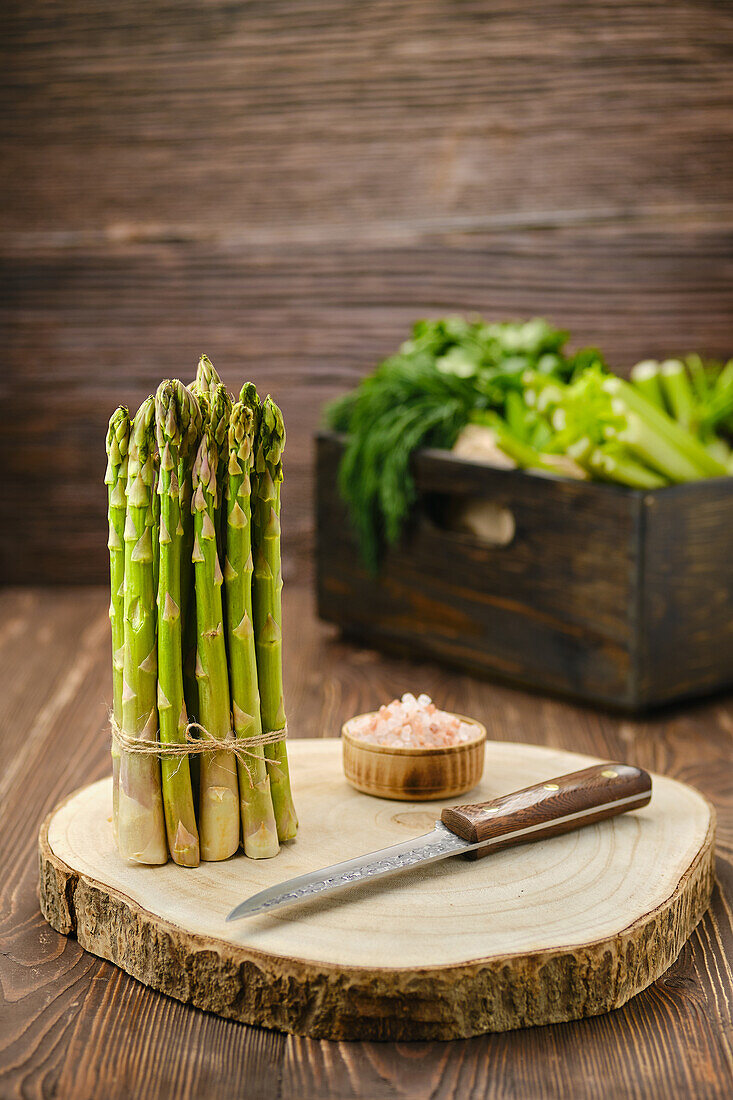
x: 72, y: 1025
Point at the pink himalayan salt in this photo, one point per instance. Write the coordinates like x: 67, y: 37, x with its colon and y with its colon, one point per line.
x: 411, y: 723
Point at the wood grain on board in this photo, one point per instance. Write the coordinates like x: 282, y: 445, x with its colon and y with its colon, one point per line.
x: 70, y: 1024
x: 289, y: 185
x: 536, y: 936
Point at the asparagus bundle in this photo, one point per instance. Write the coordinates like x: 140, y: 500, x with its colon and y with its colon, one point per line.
x: 140, y: 823
x: 177, y: 415
x: 176, y: 512
x: 267, y: 598
x: 118, y: 442
x: 219, y: 791
x: 258, y: 820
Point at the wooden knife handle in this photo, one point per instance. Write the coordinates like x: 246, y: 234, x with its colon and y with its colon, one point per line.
x: 555, y: 806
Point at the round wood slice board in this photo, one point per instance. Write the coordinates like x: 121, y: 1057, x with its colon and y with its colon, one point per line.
x: 568, y: 927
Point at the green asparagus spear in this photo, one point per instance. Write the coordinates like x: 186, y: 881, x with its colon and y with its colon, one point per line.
x: 267, y: 599
x: 187, y: 453
x: 258, y: 818
x: 220, y: 408
x: 153, y: 518
x: 141, y: 825
x: 219, y: 792
x: 190, y: 633
x: 207, y: 376
x: 175, y: 409
x: 118, y: 441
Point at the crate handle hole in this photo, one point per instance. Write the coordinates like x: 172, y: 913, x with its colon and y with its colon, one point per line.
x: 485, y: 521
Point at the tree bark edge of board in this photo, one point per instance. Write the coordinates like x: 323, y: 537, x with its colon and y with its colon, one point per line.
x: 321, y: 1001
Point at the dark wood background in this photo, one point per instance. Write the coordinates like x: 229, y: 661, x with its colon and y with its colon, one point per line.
x: 287, y: 185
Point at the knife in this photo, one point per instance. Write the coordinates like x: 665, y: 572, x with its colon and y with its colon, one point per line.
x: 534, y: 813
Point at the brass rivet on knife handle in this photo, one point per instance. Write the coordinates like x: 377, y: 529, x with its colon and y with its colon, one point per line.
x: 547, y: 809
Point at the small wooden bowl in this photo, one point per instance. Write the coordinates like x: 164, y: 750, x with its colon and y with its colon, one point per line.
x: 413, y: 775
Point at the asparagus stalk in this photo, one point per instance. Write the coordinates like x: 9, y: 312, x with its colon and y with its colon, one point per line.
x: 141, y: 825
x: 153, y: 518
x: 207, y: 376
x: 219, y: 792
x: 187, y: 453
x: 175, y: 410
x: 267, y: 599
x: 220, y: 409
x: 258, y: 819
x: 118, y: 441
x: 190, y: 682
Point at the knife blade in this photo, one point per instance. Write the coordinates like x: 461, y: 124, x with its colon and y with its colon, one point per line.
x: 533, y: 813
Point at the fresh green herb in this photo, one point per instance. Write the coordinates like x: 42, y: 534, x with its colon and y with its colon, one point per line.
x: 545, y: 409
x: 424, y: 396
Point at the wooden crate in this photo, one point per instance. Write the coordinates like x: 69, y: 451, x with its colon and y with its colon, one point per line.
x: 610, y: 595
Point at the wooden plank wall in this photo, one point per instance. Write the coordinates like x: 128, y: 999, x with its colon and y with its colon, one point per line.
x: 287, y: 185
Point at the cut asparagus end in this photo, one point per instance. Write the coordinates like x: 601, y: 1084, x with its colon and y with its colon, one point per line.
x: 141, y: 837
x: 185, y: 847
x: 261, y: 841
x: 218, y: 807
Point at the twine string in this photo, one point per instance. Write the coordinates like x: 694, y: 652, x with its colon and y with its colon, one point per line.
x: 198, y: 741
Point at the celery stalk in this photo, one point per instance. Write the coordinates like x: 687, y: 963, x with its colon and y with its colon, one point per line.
x: 645, y: 376
x: 655, y: 450
x: 628, y: 400
x: 624, y: 470
x: 678, y: 392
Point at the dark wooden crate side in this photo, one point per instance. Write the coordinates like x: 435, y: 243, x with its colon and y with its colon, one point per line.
x: 555, y: 610
x: 686, y: 591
